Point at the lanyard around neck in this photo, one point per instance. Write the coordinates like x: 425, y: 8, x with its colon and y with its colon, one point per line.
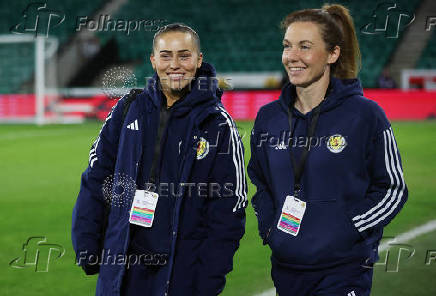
x: 299, y: 169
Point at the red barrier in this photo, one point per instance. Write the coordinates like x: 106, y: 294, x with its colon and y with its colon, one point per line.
x: 398, y: 104
x: 404, y: 105
x: 17, y: 105
x: 244, y: 105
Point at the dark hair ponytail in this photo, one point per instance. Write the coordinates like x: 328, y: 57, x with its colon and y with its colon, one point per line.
x: 337, y: 28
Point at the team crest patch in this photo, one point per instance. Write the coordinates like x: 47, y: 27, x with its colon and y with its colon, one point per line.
x: 202, y: 148
x: 336, y: 143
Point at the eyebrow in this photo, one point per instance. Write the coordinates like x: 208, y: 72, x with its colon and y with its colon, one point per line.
x: 169, y: 51
x: 302, y: 41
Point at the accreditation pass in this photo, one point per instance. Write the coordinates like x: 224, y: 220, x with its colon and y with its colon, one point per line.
x: 143, y: 208
x: 292, y: 215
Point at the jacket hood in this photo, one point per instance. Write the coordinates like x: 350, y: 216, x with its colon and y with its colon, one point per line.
x: 204, y: 91
x: 338, y: 91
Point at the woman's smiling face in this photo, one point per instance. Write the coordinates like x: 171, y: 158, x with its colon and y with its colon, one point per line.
x: 305, y: 56
x: 176, y: 59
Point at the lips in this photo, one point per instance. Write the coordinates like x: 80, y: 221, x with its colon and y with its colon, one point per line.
x: 175, y: 76
x: 296, y: 70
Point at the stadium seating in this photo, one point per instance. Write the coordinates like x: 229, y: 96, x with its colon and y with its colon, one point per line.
x: 13, y: 77
x: 16, y: 68
x: 244, y: 35
x: 236, y: 35
x: 428, y: 57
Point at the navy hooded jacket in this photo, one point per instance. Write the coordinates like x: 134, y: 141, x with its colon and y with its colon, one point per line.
x: 200, y: 215
x: 352, y: 181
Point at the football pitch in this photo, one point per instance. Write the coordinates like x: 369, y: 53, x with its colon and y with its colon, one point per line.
x: 40, y: 171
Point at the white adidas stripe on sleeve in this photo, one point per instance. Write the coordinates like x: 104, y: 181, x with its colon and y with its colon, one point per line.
x: 393, y: 197
x: 400, y: 194
x: 238, y: 161
x: 93, y: 152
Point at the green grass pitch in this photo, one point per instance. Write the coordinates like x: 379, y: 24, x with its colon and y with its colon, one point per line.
x: 40, y: 171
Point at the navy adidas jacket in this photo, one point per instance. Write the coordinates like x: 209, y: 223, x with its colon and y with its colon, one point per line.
x: 195, y: 235
x: 352, y: 182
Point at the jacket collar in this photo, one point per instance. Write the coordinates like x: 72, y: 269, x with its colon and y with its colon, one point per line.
x: 338, y: 91
x: 204, y: 91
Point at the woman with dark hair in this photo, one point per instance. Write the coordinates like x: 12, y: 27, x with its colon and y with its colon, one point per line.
x: 325, y: 163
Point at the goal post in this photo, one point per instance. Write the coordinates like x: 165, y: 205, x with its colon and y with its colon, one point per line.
x: 28, y: 79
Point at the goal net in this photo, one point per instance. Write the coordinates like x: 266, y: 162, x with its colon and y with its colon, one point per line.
x: 28, y: 92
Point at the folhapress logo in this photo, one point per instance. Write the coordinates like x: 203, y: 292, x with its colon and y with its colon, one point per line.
x: 38, y: 19
x: 430, y: 23
x: 37, y: 252
x: 388, y: 19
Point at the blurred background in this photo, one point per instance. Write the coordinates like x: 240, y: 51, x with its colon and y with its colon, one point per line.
x: 64, y: 64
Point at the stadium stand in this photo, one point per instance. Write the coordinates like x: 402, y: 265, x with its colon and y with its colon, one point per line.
x: 237, y: 35
x: 25, y: 12
x: 12, y: 77
x: 245, y: 35
x: 428, y: 57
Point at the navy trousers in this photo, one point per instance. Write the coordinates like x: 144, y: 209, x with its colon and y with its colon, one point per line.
x: 343, y: 280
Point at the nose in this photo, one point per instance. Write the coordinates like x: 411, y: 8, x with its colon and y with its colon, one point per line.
x: 292, y: 55
x: 174, y: 63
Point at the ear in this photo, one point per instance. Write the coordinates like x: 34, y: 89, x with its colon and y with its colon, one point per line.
x: 153, y: 61
x: 199, y: 60
x: 334, y: 55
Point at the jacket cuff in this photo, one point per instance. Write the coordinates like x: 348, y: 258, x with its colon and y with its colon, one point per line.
x: 91, y: 269
x: 364, y: 234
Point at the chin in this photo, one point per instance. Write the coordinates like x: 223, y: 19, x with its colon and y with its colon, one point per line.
x: 176, y: 90
x: 305, y: 82
x: 298, y: 82
x: 180, y: 88
x: 175, y: 85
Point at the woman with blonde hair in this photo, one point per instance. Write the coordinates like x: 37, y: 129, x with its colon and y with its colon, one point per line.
x: 325, y: 163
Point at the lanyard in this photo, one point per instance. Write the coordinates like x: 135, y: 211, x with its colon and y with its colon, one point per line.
x: 158, y: 146
x: 298, y: 169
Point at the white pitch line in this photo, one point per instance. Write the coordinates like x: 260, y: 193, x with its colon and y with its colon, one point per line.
x: 402, y: 238
x: 270, y: 292
x: 34, y: 134
x: 409, y: 235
